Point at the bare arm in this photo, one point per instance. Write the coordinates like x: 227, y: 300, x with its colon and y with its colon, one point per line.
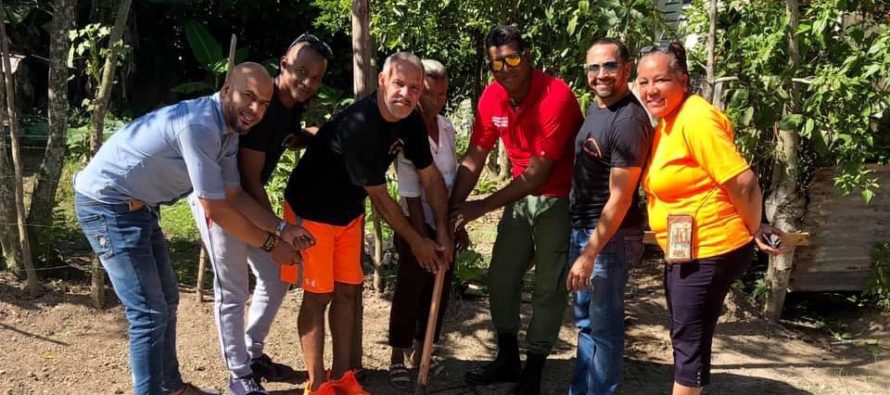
x: 468, y: 173
x: 415, y: 214
x: 533, y: 177
x: 257, y: 214
x: 247, y: 209
x: 250, y: 166
x: 424, y: 249
x: 744, y: 193
x: 622, y: 187
x: 437, y: 198
x: 436, y: 194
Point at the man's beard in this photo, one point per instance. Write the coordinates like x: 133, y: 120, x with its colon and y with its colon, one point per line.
x: 230, y: 114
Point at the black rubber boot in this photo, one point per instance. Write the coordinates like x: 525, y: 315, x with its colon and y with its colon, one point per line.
x: 505, y: 367
x: 530, y: 382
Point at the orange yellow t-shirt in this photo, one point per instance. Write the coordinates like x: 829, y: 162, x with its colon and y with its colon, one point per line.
x: 693, y: 154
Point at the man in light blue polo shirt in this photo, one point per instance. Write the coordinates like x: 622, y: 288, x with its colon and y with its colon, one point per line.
x: 159, y: 158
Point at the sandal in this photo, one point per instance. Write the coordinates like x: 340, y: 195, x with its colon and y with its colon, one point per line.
x: 399, y: 376
x: 437, y: 369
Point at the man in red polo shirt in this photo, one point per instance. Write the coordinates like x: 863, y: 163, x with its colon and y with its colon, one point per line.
x: 537, y: 117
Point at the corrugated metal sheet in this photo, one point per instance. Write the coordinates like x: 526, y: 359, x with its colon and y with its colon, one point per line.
x: 843, y: 231
x: 672, y: 11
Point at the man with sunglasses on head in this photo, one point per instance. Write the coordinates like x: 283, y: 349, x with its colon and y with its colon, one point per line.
x: 301, y: 70
x: 607, y: 235
x: 536, y: 116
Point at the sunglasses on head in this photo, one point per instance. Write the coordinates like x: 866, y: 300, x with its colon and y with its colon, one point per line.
x: 512, y: 60
x: 608, y: 67
x: 663, y: 48
x: 320, y: 46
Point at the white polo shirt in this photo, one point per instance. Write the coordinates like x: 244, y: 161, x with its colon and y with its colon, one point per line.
x: 444, y: 158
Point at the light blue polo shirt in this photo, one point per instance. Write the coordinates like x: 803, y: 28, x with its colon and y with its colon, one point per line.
x: 164, y: 155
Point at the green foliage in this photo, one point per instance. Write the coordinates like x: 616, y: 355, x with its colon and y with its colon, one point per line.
x: 210, y: 57
x: 206, y: 50
x: 486, y: 185
x: 469, y: 266
x: 841, y: 81
x: 89, y: 50
x: 454, y: 31
x: 177, y: 221
x: 879, y: 286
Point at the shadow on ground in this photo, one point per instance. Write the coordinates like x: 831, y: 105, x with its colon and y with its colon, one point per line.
x: 640, y: 377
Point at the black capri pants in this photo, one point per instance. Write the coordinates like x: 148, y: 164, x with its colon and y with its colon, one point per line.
x: 411, y: 300
x: 695, y: 294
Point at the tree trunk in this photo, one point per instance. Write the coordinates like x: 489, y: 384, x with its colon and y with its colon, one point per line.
x: 785, y: 203
x: 504, y: 170
x: 97, y: 283
x: 100, y: 101
x: 9, y: 237
x: 493, y: 157
x: 202, y: 267
x: 708, y: 89
x: 33, y: 284
x: 379, y: 280
x: 97, y: 120
x: 363, y: 82
x: 43, y: 199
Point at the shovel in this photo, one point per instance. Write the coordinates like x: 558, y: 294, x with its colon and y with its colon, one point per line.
x: 424, y: 371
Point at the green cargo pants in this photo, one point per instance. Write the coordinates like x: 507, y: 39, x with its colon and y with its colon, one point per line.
x: 533, y: 230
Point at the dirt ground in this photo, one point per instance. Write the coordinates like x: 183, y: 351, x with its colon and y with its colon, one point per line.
x: 58, y: 344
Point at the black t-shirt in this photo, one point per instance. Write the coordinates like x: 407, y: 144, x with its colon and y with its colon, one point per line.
x: 352, y: 151
x: 617, y: 136
x: 268, y: 135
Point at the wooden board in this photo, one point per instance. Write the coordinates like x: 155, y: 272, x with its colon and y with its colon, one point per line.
x: 791, y: 239
x: 843, y: 231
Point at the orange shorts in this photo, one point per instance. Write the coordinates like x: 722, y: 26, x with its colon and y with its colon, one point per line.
x: 335, y: 257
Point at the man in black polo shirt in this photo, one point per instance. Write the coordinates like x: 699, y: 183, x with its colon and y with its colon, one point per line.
x: 346, y: 162
x: 301, y: 69
x: 607, y: 236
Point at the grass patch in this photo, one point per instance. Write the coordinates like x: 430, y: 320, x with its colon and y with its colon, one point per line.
x: 183, y: 241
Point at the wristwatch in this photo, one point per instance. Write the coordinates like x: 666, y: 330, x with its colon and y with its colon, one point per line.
x: 281, y: 228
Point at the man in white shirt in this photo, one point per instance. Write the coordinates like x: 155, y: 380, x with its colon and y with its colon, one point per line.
x: 411, y: 301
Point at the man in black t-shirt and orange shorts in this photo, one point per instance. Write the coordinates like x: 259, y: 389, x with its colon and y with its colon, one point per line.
x: 346, y: 162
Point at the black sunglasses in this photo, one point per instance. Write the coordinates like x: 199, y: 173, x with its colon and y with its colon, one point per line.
x: 319, y: 46
x: 608, y: 67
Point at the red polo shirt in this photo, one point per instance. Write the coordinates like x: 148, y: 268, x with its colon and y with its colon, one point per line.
x: 543, y: 125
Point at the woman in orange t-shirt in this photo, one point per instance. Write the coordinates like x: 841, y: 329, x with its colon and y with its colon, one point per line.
x: 699, y: 186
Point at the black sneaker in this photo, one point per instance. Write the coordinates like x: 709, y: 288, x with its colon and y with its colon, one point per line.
x: 247, y: 385
x: 264, y: 368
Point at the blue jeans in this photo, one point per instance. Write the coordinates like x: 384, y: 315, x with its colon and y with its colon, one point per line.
x: 599, y: 311
x: 132, y: 249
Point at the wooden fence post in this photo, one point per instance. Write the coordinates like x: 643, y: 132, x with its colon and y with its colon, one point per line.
x: 33, y: 284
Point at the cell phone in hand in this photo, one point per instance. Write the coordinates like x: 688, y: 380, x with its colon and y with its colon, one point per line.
x: 773, y: 241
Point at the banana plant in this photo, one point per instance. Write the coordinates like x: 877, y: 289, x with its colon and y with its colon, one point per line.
x: 210, y: 57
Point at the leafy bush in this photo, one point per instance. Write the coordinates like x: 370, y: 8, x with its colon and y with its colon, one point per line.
x: 879, y: 287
